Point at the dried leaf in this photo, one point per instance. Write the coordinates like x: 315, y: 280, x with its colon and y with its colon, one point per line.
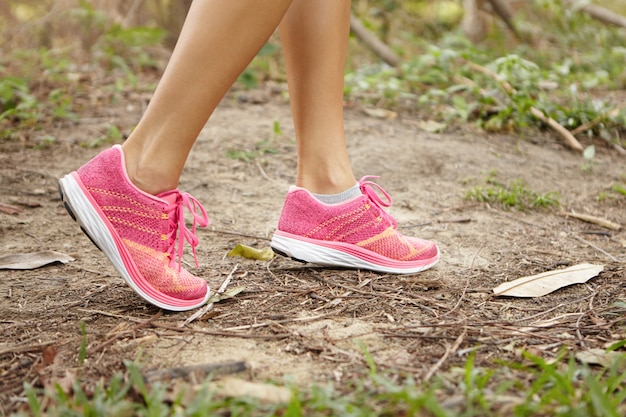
x: 32, y: 260
x: 229, y: 293
x: 249, y: 252
x: 380, y: 113
x: 545, y: 283
x: 602, y: 357
x: 431, y: 126
x: 8, y: 209
x: 267, y: 393
x: 48, y: 353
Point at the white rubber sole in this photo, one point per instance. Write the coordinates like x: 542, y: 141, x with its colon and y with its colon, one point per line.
x: 333, y: 254
x: 94, y: 224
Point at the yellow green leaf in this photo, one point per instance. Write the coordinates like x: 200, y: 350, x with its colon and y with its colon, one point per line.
x: 249, y: 252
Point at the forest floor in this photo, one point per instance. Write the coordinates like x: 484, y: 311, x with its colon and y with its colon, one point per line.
x: 301, y: 323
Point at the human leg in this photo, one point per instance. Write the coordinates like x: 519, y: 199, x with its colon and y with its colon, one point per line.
x: 217, y: 42
x: 126, y: 199
x: 357, y: 232
x: 314, y: 35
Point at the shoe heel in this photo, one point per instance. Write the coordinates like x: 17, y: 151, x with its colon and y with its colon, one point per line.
x: 67, y: 206
x: 69, y: 210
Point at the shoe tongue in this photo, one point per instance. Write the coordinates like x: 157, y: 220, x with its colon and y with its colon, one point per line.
x: 169, y: 196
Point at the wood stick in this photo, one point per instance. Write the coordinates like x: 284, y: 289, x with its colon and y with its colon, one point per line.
x: 599, y: 249
x: 602, y: 14
x: 201, y: 312
x: 594, y: 122
x: 373, y: 43
x: 593, y: 219
x: 449, y: 350
x: 565, y: 134
x: 198, y: 372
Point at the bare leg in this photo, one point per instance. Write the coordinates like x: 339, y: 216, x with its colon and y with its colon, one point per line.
x: 218, y: 40
x: 314, y: 35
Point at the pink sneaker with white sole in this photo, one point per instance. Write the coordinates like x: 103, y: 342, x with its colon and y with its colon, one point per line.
x: 143, y: 235
x: 355, y: 234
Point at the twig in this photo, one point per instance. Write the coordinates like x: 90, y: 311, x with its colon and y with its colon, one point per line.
x: 217, y: 332
x: 580, y: 239
x: 449, y: 350
x: 234, y: 233
x: 197, y: 372
x: 8, y: 209
x: 565, y: 134
x: 371, y: 41
x: 504, y: 12
x: 120, y: 335
x: 590, y: 124
x: 411, y: 300
x: 569, y: 138
x: 187, y: 329
x: 131, y: 13
x: 264, y: 174
x: 602, y: 14
x: 209, y: 306
x: 293, y: 320
x: 593, y: 219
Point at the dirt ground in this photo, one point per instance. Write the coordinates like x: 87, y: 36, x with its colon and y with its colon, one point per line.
x: 296, y: 322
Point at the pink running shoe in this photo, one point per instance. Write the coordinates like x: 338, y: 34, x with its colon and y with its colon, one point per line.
x: 356, y: 234
x: 143, y: 235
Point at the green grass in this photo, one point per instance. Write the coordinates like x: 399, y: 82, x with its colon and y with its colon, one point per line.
x: 513, y: 194
x: 533, y: 387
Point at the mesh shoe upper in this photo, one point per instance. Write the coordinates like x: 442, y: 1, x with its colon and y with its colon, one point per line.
x: 362, y: 222
x: 152, y: 228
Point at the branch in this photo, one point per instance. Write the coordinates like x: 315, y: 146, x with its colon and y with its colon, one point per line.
x: 373, y: 43
x: 565, y: 134
x: 602, y: 14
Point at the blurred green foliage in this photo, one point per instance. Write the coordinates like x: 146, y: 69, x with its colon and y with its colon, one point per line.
x: 570, y: 67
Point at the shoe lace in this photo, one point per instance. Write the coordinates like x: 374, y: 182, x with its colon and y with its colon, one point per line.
x: 176, y: 215
x: 370, y: 188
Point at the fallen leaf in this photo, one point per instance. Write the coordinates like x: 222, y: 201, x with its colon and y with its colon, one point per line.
x: 431, y: 126
x: 229, y: 293
x: 380, y: 113
x: 602, y: 357
x: 48, y: 353
x: 8, y: 209
x: 235, y: 387
x: 546, y: 282
x: 32, y: 260
x: 249, y: 252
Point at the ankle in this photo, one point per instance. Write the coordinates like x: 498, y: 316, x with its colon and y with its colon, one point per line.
x: 320, y: 181
x: 144, y: 175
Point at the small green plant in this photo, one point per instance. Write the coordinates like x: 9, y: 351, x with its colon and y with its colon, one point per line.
x: 588, y: 154
x: 112, y: 135
x: 619, y: 188
x: 263, y: 147
x: 260, y: 67
x: 61, y: 105
x: 496, y: 84
x: 82, y: 350
x: 17, y: 104
x: 513, y: 194
x: 559, y: 387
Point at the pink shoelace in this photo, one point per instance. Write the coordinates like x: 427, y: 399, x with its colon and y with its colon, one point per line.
x: 369, y: 189
x: 176, y: 215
